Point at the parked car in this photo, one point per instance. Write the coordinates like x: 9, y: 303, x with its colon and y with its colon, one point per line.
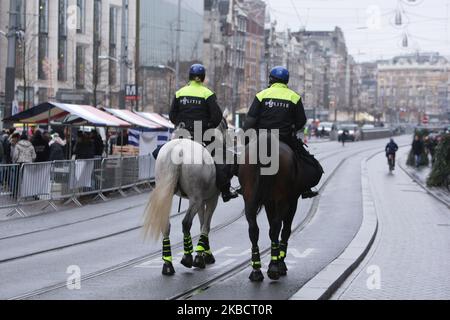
x: 351, y: 129
x: 328, y: 126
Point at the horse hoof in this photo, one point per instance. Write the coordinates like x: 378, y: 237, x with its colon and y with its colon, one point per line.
x: 282, y: 268
x: 256, y: 276
x: 199, y: 262
x: 209, y: 259
x: 274, y: 271
x: 168, y: 269
x: 187, y: 261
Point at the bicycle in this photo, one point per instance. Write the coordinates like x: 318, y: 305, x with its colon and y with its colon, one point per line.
x: 391, y: 162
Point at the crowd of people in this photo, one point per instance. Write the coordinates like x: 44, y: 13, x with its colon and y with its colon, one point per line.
x: 42, y: 146
x: 425, y: 146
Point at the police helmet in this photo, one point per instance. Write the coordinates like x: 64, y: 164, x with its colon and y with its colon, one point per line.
x: 279, y: 74
x: 197, y: 71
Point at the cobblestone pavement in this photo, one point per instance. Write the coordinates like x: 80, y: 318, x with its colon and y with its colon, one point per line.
x: 410, y: 258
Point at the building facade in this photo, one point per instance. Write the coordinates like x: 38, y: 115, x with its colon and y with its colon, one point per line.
x: 410, y: 86
x: 72, y: 51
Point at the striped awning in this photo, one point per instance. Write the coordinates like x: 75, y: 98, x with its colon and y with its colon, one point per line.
x: 159, y: 119
x: 134, y: 119
x: 68, y: 113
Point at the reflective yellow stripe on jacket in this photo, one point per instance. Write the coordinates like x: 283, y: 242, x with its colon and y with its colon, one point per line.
x: 194, y: 89
x: 279, y: 91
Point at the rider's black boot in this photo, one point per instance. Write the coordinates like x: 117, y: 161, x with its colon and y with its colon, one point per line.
x: 309, y: 194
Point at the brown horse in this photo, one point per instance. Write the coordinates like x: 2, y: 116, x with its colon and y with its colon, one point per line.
x: 279, y: 195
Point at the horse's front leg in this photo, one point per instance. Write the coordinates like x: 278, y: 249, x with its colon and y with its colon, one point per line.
x: 285, y: 235
x: 253, y: 230
x: 168, y: 269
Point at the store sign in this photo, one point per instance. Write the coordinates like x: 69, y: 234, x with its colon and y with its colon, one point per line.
x: 131, y: 93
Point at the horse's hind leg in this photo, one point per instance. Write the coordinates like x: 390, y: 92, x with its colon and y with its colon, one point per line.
x: 187, y: 259
x: 253, y: 231
x: 203, y: 242
x: 210, y: 206
x: 168, y: 269
x: 285, y: 235
x: 274, y: 215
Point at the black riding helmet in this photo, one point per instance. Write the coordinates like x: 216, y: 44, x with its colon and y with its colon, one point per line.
x: 197, y: 72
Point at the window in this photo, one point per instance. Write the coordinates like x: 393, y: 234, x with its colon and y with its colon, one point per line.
x: 81, y: 16
x: 62, y: 41
x: 21, y: 17
x: 80, y: 67
x: 43, y: 16
x: 42, y: 56
x: 43, y: 40
x: 113, y: 44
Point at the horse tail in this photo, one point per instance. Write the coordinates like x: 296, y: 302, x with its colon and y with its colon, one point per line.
x: 158, y: 208
x: 263, y: 189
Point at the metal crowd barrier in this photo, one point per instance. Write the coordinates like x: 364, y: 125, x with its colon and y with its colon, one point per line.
x: 69, y: 180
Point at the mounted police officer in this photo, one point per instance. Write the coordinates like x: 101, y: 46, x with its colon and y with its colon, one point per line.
x: 279, y: 107
x: 196, y: 103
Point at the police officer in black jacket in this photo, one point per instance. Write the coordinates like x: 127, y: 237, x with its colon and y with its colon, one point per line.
x: 196, y: 103
x: 279, y: 107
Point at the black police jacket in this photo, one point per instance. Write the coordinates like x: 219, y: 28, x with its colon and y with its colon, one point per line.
x: 277, y: 107
x: 195, y: 102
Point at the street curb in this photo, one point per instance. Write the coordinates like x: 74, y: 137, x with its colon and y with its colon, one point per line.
x: 424, y: 186
x: 327, y: 281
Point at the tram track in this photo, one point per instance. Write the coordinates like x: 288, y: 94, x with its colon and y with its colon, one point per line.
x: 202, y: 286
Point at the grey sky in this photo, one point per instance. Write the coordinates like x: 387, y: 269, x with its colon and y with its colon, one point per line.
x: 427, y: 24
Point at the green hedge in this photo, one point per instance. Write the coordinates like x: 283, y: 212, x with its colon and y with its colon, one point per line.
x: 441, y: 167
x: 424, y: 161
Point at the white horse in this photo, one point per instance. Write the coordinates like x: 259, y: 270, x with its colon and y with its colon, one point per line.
x: 183, y: 167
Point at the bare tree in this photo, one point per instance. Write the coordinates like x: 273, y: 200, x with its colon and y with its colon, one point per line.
x: 26, y: 53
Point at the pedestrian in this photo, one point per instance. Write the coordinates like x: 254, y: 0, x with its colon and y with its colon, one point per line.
x: 7, y: 138
x: 323, y: 132
x: 418, y: 149
x: 430, y: 146
x: 41, y: 147
x: 99, y: 147
x: 344, y: 136
x: 12, y: 177
x: 24, y: 151
x: 56, y: 148
x: 84, y: 148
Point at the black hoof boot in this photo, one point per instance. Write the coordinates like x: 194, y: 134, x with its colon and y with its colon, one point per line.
x: 282, y: 268
x: 256, y: 276
x: 187, y: 261
x: 274, y: 271
x: 168, y: 269
x: 199, y: 261
x: 209, y: 259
